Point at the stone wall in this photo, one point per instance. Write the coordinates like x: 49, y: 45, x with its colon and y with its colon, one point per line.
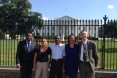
x: 14, y: 73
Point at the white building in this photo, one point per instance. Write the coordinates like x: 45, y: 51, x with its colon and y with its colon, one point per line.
x: 66, y: 25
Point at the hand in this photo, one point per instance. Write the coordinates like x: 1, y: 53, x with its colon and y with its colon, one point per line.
x: 49, y: 64
x: 18, y: 66
x: 96, y: 67
x: 34, y: 67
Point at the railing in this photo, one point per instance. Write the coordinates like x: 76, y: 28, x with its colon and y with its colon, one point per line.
x: 98, y: 31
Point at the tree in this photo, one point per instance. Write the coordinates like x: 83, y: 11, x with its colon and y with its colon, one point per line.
x: 16, y: 15
x: 110, y: 29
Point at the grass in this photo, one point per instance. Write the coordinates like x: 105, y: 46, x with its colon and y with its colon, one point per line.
x: 107, y: 60
x: 8, y: 52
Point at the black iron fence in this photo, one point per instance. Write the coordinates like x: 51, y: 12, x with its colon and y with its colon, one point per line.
x: 103, y: 32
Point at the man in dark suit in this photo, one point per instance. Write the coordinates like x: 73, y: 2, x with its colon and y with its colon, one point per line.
x: 24, y: 56
x: 88, y: 56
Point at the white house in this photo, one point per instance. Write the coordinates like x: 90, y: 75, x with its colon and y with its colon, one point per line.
x: 66, y: 25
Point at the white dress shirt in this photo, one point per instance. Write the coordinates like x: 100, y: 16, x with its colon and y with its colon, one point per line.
x: 58, y: 51
x: 28, y: 43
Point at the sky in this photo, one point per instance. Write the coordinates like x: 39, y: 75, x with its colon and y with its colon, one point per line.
x: 79, y: 9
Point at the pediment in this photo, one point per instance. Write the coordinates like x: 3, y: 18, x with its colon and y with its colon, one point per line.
x: 65, y: 18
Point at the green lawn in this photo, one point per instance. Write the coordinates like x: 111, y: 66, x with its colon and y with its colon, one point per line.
x: 8, y: 52
x: 110, y: 54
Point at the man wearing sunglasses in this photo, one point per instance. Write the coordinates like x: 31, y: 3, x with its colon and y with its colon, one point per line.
x: 58, y: 52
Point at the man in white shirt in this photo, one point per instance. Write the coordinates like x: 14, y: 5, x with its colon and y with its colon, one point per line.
x: 58, y: 52
x: 88, y: 56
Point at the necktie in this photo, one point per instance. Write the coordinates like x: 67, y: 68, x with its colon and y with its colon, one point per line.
x: 29, y: 44
x: 84, y: 52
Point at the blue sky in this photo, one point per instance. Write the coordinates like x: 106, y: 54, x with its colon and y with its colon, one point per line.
x: 80, y: 9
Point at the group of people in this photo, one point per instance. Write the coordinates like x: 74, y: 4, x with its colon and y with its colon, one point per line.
x: 67, y: 58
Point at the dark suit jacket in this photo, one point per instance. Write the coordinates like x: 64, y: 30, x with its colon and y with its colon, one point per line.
x: 92, y: 53
x: 22, y: 56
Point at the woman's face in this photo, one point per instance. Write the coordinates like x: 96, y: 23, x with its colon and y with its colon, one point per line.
x: 72, y: 39
x: 44, y: 42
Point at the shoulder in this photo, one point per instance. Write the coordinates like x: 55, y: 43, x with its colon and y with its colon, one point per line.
x: 67, y: 44
x: 33, y: 42
x: 49, y: 48
x: 51, y: 45
x: 21, y: 42
x: 62, y: 44
x: 79, y: 42
x: 76, y: 45
x: 91, y: 42
x: 37, y: 46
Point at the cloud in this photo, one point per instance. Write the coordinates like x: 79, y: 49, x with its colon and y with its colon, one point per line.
x: 110, y: 7
x: 45, y: 18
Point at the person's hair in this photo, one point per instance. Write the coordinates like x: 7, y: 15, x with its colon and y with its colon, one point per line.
x: 44, y: 38
x: 57, y: 36
x: 28, y: 33
x: 83, y: 31
x: 46, y: 41
x: 70, y: 36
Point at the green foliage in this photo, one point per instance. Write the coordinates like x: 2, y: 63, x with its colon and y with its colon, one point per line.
x: 79, y: 38
x: 109, y: 30
x: 16, y: 15
x: 2, y: 36
x: 92, y: 38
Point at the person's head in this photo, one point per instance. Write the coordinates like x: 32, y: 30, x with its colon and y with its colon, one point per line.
x: 84, y: 34
x: 57, y: 40
x: 29, y: 36
x: 44, y: 42
x: 71, y: 39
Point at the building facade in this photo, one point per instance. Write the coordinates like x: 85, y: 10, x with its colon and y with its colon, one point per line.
x: 66, y: 25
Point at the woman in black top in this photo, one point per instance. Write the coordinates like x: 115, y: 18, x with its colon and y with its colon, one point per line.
x: 41, y: 60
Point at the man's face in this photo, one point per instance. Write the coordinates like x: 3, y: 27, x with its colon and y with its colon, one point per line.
x: 29, y: 37
x: 84, y: 35
x: 57, y: 40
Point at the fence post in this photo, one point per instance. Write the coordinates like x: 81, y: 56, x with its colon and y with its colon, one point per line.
x: 103, y: 44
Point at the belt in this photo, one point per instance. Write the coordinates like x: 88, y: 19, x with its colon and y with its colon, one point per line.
x: 84, y: 62
x: 57, y: 59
